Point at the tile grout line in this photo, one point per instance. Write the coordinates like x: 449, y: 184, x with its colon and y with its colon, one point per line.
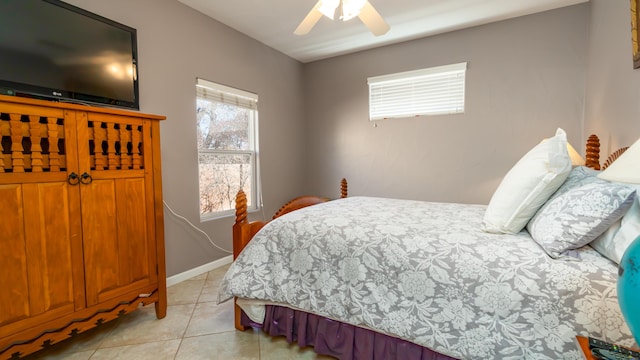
x: 175, y: 356
x: 197, y: 301
x: 195, y: 305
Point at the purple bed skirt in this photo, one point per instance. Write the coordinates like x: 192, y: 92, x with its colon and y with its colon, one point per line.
x: 340, y: 340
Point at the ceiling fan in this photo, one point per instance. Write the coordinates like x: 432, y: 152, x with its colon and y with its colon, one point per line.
x: 349, y: 9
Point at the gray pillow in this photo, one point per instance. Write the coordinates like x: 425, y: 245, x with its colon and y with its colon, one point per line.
x: 579, y: 176
x: 582, y: 209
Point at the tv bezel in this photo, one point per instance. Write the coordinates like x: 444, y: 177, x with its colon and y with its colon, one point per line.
x: 63, y: 95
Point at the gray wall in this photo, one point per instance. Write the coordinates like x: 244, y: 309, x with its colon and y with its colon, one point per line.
x: 613, y: 87
x: 177, y: 44
x: 525, y: 78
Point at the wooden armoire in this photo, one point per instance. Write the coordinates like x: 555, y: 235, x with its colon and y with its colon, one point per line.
x: 81, y: 220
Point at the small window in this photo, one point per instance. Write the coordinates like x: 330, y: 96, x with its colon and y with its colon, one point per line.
x: 227, y: 125
x: 432, y: 91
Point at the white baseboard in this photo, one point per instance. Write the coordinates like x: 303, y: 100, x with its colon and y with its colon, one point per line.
x: 172, y: 280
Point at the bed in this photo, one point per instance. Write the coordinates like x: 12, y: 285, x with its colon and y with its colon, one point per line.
x: 376, y: 278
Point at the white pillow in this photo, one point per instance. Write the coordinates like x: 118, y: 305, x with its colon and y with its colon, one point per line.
x: 625, y: 169
x: 619, y: 236
x: 528, y: 185
x: 615, y: 241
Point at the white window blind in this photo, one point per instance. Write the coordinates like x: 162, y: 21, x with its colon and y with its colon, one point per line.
x: 431, y: 91
x: 216, y: 92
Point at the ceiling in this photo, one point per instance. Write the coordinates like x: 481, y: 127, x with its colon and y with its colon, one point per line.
x: 272, y: 22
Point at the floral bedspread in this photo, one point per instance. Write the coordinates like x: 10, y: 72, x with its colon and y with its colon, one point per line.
x: 425, y: 272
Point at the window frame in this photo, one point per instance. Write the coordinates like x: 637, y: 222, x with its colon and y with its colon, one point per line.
x: 244, y: 98
x: 402, y: 95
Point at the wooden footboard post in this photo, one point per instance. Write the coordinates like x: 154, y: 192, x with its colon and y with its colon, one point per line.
x: 240, y: 226
x: 240, y: 239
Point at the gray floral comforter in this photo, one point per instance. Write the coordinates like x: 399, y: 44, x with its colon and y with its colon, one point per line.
x: 425, y: 272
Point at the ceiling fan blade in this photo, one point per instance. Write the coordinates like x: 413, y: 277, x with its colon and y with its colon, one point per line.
x: 372, y: 19
x: 310, y: 20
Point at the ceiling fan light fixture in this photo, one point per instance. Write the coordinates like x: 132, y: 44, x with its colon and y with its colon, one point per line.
x: 351, y: 8
x: 328, y: 7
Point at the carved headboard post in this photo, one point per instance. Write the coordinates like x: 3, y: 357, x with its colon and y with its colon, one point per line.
x: 343, y: 188
x: 592, y: 152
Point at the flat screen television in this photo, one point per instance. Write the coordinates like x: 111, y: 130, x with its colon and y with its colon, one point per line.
x: 53, y: 50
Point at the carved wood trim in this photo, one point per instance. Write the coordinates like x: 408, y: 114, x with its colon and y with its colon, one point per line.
x: 17, y: 151
x: 613, y: 157
x: 299, y: 203
x: 73, y: 327
x: 29, y: 142
x: 54, y: 151
x: 36, y: 146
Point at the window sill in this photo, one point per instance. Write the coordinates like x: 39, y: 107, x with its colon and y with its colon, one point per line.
x: 225, y: 214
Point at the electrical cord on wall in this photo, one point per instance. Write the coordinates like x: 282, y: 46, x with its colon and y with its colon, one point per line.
x: 193, y: 226
x: 259, y: 185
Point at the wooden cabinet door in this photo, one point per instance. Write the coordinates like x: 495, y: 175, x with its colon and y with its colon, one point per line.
x: 41, y: 272
x: 117, y: 206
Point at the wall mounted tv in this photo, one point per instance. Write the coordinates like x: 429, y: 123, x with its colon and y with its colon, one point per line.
x: 53, y: 50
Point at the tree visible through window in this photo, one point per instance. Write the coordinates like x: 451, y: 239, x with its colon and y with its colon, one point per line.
x: 227, y: 147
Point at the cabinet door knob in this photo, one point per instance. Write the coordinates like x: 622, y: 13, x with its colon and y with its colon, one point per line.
x: 85, y: 178
x: 73, y: 179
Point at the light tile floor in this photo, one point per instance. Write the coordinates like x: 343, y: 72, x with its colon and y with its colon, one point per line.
x: 195, y: 328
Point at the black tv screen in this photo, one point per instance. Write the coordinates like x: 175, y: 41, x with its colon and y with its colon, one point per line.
x: 53, y: 50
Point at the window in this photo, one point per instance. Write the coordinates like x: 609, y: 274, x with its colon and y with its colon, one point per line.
x: 227, y: 147
x: 431, y: 91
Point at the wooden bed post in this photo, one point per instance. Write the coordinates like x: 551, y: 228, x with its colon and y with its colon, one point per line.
x: 343, y: 188
x: 240, y: 239
x: 240, y: 226
x: 592, y: 152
